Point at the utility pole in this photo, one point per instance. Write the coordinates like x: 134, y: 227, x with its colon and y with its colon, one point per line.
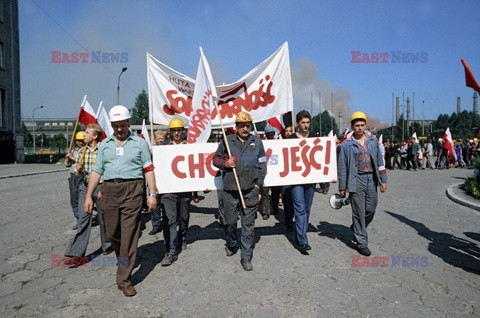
x: 423, y: 118
x: 320, y: 111
x: 393, y: 96
x: 331, y: 118
x: 413, y: 113
x: 311, y: 106
x: 35, y: 124
x: 339, y: 121
x: 403, y: 117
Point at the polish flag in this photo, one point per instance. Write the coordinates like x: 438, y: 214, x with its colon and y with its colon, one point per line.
x: 104, y: 122
x: 145, y: 135
x: 448, y: 144
x: 281, y: 121
x: 470, y: 80
x: 86, y: 116
x: 347, y: 135
x: 278, y: 123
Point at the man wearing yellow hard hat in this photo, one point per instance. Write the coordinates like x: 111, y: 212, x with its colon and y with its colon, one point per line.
x: 176, y: 213
x: 249, y: 160
x: 75, y: 178
x: 360, y: 170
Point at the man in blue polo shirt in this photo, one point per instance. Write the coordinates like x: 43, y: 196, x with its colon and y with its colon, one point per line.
x: 122, y: 161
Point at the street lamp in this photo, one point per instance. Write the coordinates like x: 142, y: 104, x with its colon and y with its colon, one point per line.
x: 34, y: 124
x: 118, y: 85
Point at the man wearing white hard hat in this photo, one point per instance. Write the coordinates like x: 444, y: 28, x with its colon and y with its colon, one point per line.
x: 122, y: 160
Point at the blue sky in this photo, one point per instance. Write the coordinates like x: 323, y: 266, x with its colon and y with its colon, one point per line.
x: 238, y: 35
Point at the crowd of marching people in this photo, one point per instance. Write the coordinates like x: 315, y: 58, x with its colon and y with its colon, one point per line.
x: 415, y: 155
x: 115, y: 177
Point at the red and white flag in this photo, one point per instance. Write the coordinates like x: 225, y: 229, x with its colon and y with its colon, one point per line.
x: 347, y: 135
x: 264, y: 92
x: 203, y: 104
x: 470, y: 80
x: 104, y: 121
x: 448, y: 144
x: 277, y: 122
x: 145, y: 135
x: 86, y: 116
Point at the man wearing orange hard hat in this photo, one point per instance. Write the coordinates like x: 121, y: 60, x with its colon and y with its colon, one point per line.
x: 247, y: 156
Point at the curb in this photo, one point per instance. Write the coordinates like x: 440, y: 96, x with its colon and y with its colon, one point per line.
x: 452, y: 196
x: 29, y: 174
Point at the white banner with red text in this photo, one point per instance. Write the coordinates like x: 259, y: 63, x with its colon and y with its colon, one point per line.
x: 189, y: 167
x: 265, y: 92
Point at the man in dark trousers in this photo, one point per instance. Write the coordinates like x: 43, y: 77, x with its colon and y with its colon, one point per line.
x: 176, y: 215
x: 123, y: 160
x: 249, y: 160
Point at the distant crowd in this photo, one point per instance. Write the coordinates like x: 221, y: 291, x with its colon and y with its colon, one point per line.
x: 412, y: 154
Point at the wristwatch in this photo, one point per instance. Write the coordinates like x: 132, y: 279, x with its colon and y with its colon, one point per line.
x: 152, y: 194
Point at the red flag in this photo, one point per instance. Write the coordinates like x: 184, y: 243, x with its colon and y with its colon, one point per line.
x: 448, y: 144
x: 470, y: 80
x: 146, y: 136
x: 348, y: 134
x: 277, y: 122
x: 86, y: 116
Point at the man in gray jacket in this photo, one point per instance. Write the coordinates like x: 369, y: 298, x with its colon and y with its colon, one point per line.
x: 360, y: 171
x: 249, y: 160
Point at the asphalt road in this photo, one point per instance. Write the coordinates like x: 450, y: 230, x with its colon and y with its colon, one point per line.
x: 429, y: 244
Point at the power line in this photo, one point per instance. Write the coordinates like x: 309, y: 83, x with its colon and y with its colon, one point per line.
x: 80, y: 44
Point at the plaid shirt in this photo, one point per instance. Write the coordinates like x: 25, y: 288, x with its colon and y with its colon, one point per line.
x: 364, y: 160
x: 87, y: 158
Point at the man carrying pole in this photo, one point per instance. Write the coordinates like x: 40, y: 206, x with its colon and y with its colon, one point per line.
x: 241, y: 155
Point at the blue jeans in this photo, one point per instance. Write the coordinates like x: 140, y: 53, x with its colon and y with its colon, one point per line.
x: 364, y: 203
x: 302, y: 196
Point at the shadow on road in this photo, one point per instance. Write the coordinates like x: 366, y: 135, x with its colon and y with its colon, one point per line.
x: 472, y: 235
x: 453, y: 250
x: 148, y: 257
x: 337, y: 232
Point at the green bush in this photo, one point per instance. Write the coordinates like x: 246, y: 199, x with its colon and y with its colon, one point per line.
x: 472, y: 184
